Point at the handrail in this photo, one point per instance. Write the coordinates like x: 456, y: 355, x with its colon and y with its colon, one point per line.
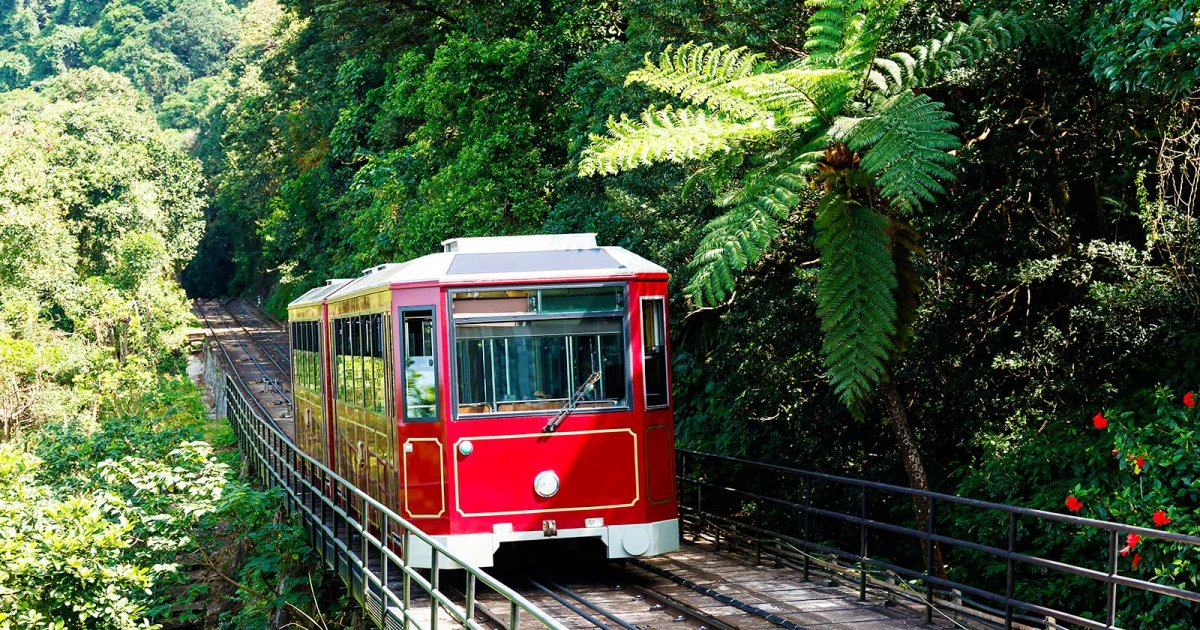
x: 350, y: 533
x: 929, y: 536
x: 950, y: 498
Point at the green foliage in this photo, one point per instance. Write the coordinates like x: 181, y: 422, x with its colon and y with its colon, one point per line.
x: 667, y: 135
x: 854, y: 296
x: 904, y: 147
x: 815, y: 111
x: 1135, y: 45
x: 64, y: 562
x: 967, y: 44
x: 738, y: 237
x: 160, y: 45
x: 157, y: 499
x: 1106, y: 478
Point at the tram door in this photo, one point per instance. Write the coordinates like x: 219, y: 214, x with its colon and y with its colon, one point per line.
x: 423, y: 469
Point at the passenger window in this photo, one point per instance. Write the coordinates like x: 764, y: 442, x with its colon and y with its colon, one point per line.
x: 417, y: 359
x: 654, y: 352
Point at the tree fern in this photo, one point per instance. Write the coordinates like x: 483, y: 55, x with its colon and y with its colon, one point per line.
x: 702, y: 75
x: 843, y: 117
x: 855, y: 299
x: 964, y: 45
x: 667, y: 135
x: 905, y: 146
x: 738, y: 237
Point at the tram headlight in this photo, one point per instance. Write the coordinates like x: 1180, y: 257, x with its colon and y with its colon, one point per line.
x: 545, y: 484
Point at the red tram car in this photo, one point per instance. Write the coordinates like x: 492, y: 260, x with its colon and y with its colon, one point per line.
x: 507, y: 389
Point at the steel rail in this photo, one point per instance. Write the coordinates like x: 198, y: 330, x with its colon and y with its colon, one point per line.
x: 352, y: 544
x: 594, y: 606
x: 274, y: 384
x: 263, y: 347
x: 728, y: 600
x: 244, y: 386
x: 590, y: 618
x: 705, y: 619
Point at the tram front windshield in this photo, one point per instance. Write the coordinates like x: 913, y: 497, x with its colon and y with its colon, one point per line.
x: 530, y: 350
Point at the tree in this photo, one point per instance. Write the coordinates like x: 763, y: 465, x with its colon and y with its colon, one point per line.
x: 841, y: 133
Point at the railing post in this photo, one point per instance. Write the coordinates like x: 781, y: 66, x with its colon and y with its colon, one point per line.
x: 1113, y: 556
x: 405, y: 556
x: 434, y: 584
x: 862, y: 548
x: 1008, y: 589
x: 470, y: 596
x: 364, y: 558
x: 929, y: 556
x: 807, y: 509
x: 757, y: 540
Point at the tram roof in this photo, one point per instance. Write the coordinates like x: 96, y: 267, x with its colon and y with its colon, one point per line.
x: 496, y: 258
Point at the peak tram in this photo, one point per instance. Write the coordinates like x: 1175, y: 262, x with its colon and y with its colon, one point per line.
x: 508, y: 389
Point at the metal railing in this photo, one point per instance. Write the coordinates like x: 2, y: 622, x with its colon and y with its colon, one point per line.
x: 790, y: 499
x: 350, y: 533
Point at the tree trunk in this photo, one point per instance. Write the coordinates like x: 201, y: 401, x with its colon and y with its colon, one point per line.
x: 914, y: 466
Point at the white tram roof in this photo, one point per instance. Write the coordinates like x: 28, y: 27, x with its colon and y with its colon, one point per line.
x: 495, y: 258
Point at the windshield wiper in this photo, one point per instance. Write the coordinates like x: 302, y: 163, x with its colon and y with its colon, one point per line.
x: 569, y: 406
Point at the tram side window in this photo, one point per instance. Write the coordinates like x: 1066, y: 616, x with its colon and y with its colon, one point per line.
x: 361, y: 362
x: 654, y: 352
x: 306, y: 355
x: 420, y: 377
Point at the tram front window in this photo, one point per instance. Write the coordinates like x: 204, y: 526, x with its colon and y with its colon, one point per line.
x: 529, y: 364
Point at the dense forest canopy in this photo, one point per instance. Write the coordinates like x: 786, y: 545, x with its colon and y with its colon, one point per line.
x: 1050, y: 274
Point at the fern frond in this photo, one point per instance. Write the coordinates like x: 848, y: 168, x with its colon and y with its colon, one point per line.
x: 905, y: 146
x: 702, y: 74
x: 828, y: 29
x: 667, y: 135
x: 845, y: 34
x: 966, y: 44
x: 739, y: 237
x: 855, y: 298
x: 801, y: 96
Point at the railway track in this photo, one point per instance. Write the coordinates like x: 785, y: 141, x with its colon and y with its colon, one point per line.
x: 246, y: 348
x: 694, y: 588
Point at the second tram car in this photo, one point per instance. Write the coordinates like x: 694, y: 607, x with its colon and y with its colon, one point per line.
x: 507, y: 389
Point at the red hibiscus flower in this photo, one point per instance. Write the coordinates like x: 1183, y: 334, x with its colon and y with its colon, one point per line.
x: 1141, y: 462
x: 1161, y: 518
x: 1137, y: 559
x: 1131, y: 542
x: 1189, y: 400
x: 1116, y: 452
x: 1099, y: 421
x: 1074, y: 504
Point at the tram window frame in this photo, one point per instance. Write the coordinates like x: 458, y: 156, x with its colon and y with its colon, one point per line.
x: 657, y: 307
x: 305, y: 344
x: 622, y: 310
x: 402, y: 315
